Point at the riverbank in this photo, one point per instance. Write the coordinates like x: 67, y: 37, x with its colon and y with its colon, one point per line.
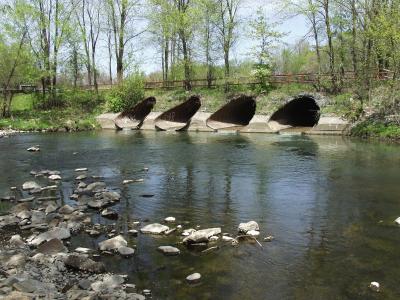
x: 78, y: 117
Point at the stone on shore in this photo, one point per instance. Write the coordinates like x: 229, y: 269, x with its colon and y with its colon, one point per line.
x: 66, y: 210
x: 109, y: 283
x: 113, y: 243
x: 55, y: 233
x: 169, y: 250
x: 51, y: 247
x: 30, y: 185
x: 249, y: 226
x: 17, y: 241
x: 83, y: 263
x: 193, y: 278
x: 154, y: 229
x: 201, y: 235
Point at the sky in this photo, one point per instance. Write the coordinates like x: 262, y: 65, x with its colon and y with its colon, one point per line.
x: 295, y: 29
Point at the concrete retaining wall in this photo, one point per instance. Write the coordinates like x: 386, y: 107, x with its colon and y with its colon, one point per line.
x: 259, y: 124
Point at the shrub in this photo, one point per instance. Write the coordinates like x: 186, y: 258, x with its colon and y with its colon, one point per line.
x: 126, y: 94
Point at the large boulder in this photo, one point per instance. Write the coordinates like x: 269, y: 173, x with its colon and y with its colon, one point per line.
x: 30, y: 185
x: 249, y: 226
x: 201, y: 236
x: 55, y: 233
x: 113, y: 243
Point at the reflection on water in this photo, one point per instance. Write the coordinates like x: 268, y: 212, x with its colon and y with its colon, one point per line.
x: 329, y: 203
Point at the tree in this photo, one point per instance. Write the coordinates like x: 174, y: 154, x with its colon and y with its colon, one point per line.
x: 209, y: 18
x: 266, y: 38
x: 122, y: 14
x: 227, y: 26
x: 16, y: 63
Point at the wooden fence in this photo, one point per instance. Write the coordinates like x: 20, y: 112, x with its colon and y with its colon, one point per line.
x: 306, y: 78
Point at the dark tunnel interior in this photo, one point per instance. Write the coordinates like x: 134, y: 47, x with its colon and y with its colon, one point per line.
x: 238, y: 111
x: 300, y: 112
x: 140, y: 111
x: 183, y: 112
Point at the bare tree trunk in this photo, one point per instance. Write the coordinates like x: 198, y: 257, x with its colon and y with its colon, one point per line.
x: 166, y: 58
x: 354, y: 37
x: 186, y: 62
x: 331, y: 52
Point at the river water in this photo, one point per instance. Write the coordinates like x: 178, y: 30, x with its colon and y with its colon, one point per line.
x: 329, y: 202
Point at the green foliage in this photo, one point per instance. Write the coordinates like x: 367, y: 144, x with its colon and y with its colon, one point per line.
x: 262, y: 73
x: 86, y: 100
x: 126, y: 94
x: 376, y: 129
x: 346, y: 106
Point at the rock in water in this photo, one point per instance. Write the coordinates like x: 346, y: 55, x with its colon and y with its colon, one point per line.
x: 55, y: 177
x: 169, y: 251
x: 113, y: 244
x: 193, y: 278
x: 201, y: 235
x: 170, y: 220
x: 253, y: 233
x: 374, y: 286
x: 81, y: 170
x: 30, y: 185
x: 109, y: 283
x: 33, y: 149
x: 154, y: 229
x: 397, y: 221
x: 109, y: 214
x: 126, y: 251
x: 249, y: 226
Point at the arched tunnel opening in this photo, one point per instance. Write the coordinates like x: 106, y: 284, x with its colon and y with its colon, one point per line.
x: 178, y: 117
x: 135, y: 116
x: 238, y: 112
x: 302, y: 111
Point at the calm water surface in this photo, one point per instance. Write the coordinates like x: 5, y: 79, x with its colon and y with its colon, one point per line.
x: 330, y: 204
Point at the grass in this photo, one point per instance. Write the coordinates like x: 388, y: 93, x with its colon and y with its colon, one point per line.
x: 376, y: 129
x: 213, y: 99
x: 25, y: 117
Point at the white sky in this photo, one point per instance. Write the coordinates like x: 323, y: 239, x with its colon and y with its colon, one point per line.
x: 295, y: 28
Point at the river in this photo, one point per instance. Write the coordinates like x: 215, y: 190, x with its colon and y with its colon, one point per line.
x: 329, y: 202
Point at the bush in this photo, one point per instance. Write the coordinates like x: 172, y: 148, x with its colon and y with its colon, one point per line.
x: 84, y: 100
x: 126, y: 94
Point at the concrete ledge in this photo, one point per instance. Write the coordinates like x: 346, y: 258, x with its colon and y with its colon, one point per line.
x: 259, y: 124
x: 106, y: 121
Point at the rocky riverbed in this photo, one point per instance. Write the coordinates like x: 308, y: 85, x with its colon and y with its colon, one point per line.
x: 38, y: 260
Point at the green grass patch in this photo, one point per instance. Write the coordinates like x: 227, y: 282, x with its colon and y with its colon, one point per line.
x: 376, y: 129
